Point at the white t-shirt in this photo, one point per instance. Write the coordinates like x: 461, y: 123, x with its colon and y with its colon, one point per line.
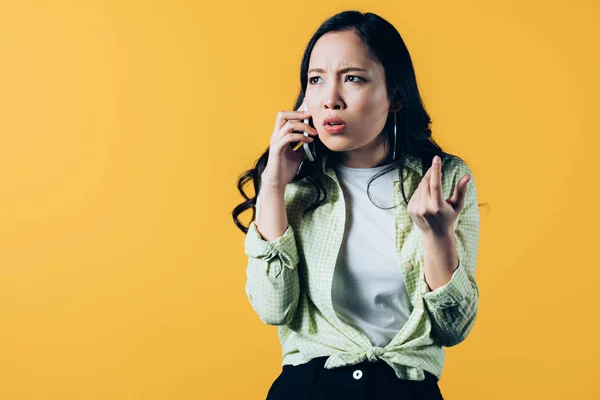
x: 368, y: 291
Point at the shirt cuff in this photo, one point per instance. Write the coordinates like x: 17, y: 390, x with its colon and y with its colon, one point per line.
x: 452, y: 293
x: 283, y: 247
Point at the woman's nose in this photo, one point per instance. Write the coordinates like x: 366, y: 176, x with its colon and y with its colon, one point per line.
x: 335, y: 104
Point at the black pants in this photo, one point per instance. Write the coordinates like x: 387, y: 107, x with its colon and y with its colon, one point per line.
x: 364, y: 381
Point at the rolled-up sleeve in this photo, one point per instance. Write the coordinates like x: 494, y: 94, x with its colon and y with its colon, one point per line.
x: 453, y: 307
x: 272, y: 283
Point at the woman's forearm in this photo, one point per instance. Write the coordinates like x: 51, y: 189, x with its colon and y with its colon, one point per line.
x: 440, y: 259
x: 272, y: 217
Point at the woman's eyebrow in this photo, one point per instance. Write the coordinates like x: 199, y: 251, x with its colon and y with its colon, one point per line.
x: 341, y: 71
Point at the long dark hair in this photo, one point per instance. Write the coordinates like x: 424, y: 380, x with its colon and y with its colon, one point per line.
x: 413, y: 123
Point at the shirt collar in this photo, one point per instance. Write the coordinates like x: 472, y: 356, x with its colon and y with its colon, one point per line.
x: 409, y: 161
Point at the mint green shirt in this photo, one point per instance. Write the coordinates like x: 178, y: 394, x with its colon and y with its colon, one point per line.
x: 289, y: 279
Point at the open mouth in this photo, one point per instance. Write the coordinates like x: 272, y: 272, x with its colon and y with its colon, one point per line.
x: 334, y: 128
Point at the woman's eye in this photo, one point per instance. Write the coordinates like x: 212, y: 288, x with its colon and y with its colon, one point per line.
x: 354, y: 76
x: 310, y: 80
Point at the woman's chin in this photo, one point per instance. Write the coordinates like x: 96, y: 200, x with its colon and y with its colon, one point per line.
x: 334, y: 144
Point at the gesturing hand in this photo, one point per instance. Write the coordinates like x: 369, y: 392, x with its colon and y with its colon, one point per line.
x: 433, y: 214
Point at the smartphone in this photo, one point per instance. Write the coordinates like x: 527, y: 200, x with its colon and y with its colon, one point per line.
x: 309, y: 148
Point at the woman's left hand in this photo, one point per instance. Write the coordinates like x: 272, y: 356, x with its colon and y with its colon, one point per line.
x: 433, y: 214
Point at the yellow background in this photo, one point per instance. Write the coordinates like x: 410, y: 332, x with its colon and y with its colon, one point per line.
x: 125, y: 124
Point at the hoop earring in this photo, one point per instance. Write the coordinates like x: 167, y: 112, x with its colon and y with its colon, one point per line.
x: 394, y: 152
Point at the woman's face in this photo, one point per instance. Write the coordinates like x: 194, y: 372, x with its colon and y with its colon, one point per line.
x: 358, y: 97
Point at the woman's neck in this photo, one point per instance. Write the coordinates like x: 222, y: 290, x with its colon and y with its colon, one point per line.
x: 368, y: 156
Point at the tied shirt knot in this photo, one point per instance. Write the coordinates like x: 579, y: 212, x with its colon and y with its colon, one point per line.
x: 374, y: 352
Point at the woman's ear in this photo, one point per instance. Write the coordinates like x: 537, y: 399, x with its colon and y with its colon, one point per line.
x: 396, y: 104
x: 396, y: 107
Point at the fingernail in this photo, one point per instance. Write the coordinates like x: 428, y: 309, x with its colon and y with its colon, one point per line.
x: 436, y: 159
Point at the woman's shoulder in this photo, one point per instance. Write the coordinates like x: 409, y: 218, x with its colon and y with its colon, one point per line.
x: 453, y: 165
x: 300, y: 192
x: 453, y: 169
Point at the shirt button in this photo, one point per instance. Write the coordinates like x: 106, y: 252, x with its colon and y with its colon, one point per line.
x: 357, y: 374
x: 409, y: 267
x: 401, y: 226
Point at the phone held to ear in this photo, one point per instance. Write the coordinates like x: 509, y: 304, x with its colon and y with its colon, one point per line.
x: 309, y: 148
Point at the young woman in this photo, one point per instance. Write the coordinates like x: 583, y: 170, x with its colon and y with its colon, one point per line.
x: 365, y: 285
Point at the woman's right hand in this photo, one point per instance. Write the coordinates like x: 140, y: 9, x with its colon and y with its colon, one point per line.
x: 283, y: 161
